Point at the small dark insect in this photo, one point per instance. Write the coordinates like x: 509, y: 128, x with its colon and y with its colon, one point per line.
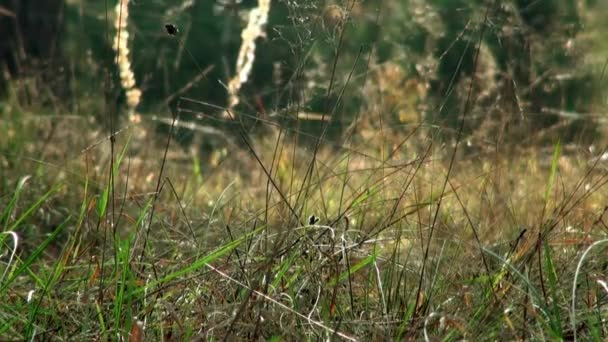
x: 171, y: 29
x: 312, y: 220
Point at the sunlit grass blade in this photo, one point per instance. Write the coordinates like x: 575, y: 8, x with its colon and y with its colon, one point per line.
x: 200, y: 263
x: 553, y: 172
x: 48, y: 284
x: 370, y: 192
x: 102, y: 204
x: 34, y: 207
x: 37, y: 253
x: 353, y: 269
x: 10, y: 207
x: 555, y: 318
x: 13, y: 251
x: 284, y: 267
x: 507, y: 268
x: 123, y: 292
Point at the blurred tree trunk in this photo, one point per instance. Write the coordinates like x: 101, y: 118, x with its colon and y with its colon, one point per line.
x: 29, y: 32
x: 31, y: 35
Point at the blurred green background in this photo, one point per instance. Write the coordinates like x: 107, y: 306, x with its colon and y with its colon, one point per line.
x: 540, y: 64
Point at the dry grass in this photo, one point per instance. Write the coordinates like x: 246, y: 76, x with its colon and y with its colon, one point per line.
x: 401, y: 230
x: 225, y: 256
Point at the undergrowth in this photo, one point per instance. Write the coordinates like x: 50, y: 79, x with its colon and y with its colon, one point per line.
x: 398, y: 231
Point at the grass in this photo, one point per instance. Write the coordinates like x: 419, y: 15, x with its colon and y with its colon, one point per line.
x: 224, y: 256
x: 391, y: 234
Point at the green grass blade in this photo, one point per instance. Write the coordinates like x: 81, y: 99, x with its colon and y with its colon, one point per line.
x: 555, y: 319
x: 122, y: 289
x: 353, y: 269
x: 10, y: 207
x: 369, y: 192
x: 35, y: 255
x: 102, y: 323
x: 554, y: 165
x: 102, y: 205
x: 285, y: 266
x: 214, y: 255
x: 46, y: 286
x: 536, y: 297
x: 33, y: 207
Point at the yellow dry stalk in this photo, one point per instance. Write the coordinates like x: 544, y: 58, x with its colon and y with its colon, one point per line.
x: 123, y: 62
x: 258, y: 17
